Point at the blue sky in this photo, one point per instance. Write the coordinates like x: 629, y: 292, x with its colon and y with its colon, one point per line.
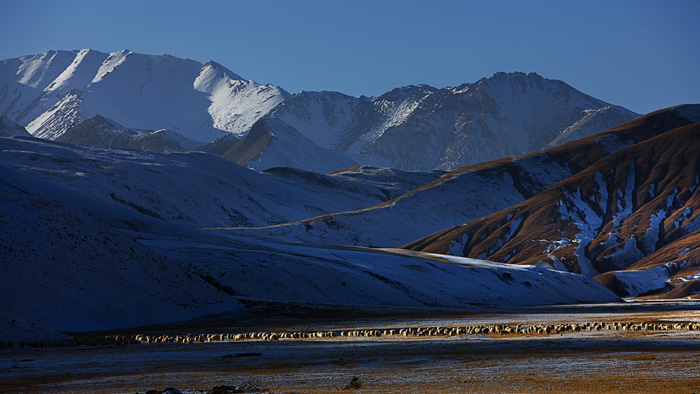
x: 640, y: 54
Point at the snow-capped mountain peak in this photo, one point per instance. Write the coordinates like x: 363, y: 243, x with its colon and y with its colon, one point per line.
x: 421, y: 128
x: 54, y: 90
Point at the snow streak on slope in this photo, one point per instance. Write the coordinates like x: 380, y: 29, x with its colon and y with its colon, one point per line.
x: 52, y: 91
x: 65, y: 268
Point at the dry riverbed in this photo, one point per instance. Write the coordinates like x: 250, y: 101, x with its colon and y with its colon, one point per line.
x: 623, y: 361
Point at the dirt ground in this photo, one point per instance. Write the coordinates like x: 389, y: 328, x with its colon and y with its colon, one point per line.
x: 581, y: 362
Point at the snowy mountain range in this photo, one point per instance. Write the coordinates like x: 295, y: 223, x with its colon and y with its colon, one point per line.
x: 413, y: 128
x: 420, y: 128
x: 50, y: 92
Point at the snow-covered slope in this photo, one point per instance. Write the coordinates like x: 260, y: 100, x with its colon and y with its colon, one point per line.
x: 50, y: 92
x: 259, y: 270
x: 273, y: 143
x: 17, y: 329
x: 468, y: 193
x: 616, y: 215
x: 104, y: 132
x: 9, y: 128
x: 420, y: 128
x: 101, y: 239
x: 66, y: 269
x: 193, y: 189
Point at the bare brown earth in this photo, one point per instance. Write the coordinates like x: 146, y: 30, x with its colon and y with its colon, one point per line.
x: 249, y: 148
x: 644, y: 361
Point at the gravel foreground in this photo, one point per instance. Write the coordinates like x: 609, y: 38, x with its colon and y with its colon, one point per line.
x: 622, y: 361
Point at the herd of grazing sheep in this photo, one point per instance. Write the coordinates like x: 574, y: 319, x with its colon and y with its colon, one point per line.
x: 409, y: 332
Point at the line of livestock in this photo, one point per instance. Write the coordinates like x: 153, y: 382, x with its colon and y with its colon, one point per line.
x: 409, y: 332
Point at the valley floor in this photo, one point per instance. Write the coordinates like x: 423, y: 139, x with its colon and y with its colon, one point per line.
x: 586, y: 361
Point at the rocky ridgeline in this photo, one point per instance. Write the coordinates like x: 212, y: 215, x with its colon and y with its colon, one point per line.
x: 409, y: 332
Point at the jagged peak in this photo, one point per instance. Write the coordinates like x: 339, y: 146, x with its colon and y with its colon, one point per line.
x: 97, y: 121
x: 502, y: 76
x: 212, y: 65
x: 404, y: 92
x: 321, y: 95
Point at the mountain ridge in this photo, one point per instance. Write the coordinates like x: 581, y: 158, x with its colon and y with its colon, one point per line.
x: 50, y: 92
x: 421, y: 128
x: 410, y: 128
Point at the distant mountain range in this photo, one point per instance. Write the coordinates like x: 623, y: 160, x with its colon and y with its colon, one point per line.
x: 421, y: 128
x: 413, y: 128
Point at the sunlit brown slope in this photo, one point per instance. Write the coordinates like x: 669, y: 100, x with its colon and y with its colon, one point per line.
x: 615, y: 215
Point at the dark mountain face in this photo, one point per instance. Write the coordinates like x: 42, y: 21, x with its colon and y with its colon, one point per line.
x: 636, y: 208
x: 100, y: 131
x: 9, y: 128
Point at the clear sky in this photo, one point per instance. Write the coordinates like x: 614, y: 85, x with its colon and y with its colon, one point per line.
x: 641, y: 54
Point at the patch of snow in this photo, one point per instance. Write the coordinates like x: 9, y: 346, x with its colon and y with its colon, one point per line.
x: 612, y: 240
x: 457, y: 246
x: 587, y: 269
x: 624, y: 200
x: 558, y: 265
x: 651, y: 236
x: 511, y: 228
x: 555, y: 245
x: 114, y: 60
x: 611, y: 143
x: 602, y: 190
x: 638, y: 282
x: 626, y: 255
x: 697, y: 180
x: 687, y: 212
